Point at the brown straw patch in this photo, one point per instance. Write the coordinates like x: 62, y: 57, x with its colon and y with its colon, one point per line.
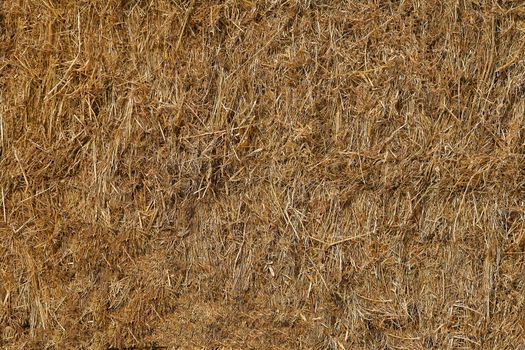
x: 235, y: 174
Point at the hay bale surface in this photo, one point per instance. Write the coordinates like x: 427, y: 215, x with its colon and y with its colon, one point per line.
x: 262, y: 174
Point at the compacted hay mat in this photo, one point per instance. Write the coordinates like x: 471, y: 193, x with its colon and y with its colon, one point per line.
x: 245, y: 174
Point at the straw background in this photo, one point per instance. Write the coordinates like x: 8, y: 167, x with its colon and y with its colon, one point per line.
x: 301, y: 174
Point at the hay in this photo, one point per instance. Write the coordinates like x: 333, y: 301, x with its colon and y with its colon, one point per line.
x: 262, y: 174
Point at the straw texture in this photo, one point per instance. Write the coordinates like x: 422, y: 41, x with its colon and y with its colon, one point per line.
x: 236, y: 174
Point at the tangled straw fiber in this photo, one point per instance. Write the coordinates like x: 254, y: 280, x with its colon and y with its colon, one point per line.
x: 242, y: 174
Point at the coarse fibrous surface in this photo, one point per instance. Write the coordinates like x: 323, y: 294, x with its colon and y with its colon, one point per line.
x: 245, y: 174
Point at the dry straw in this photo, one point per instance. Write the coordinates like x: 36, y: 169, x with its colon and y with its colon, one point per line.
x: 262, y: 174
